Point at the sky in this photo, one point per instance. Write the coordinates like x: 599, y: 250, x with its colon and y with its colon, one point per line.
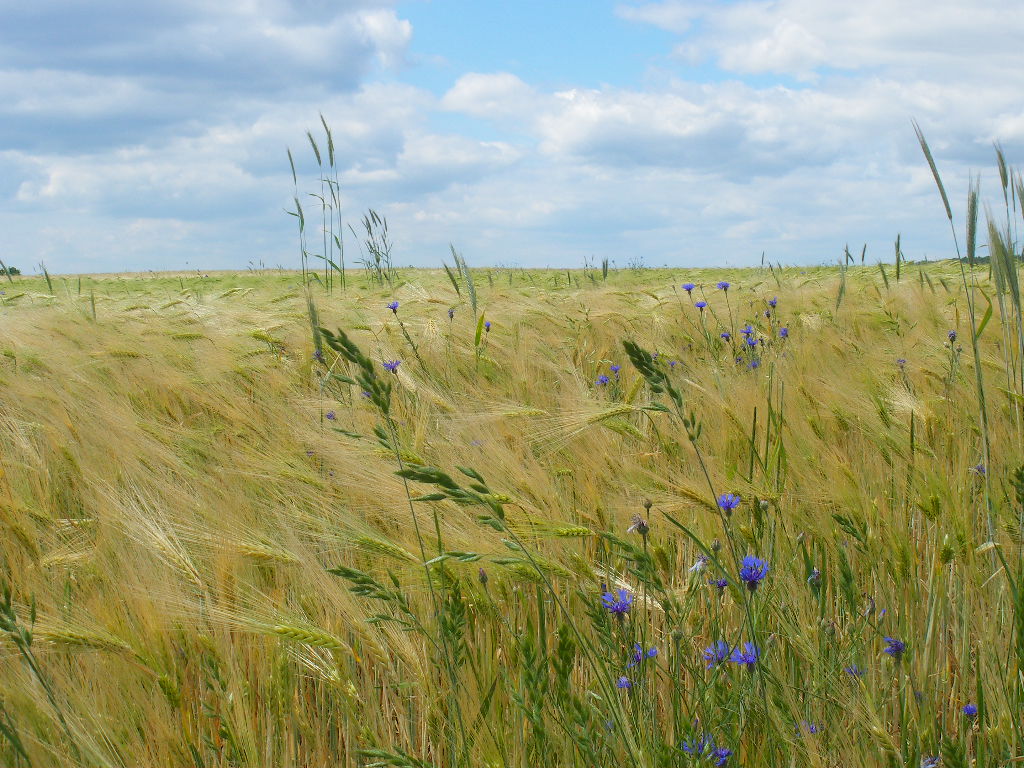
x: 154, y: 136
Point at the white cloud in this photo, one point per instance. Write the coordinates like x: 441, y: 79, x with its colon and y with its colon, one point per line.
x: 491, y: 96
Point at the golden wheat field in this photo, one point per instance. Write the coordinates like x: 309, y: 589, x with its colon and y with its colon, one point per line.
x: 233, y: 539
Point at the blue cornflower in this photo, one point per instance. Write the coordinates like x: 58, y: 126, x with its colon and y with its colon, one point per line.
x: 751, y: 341
x: 978, y: 469
x: 487, y: 326
x: 720, y: 756
x: 615, y: 369
x: 688, y: 287
x: 705, y: 745
x: 619, y: 606
x: 747, y: 330
x: 717, y: 653
x: 671, y: 363
x: 726, y: 335
x: 755, y: 363
x: 772, y: 302
x: 728, y: 502
x: 723, y: 285
x: 901, y: 361
x: 767, y: 313
x: 952, y: 336
x: 807, y: 727
x: 700, y: 305
x: 753, y: 571
x: 970, y: 710
x: 392, y: 365
x: 393, y: 306
x: 624, y: 682
x: 784, y: 333
x: 364, y: 393
x: 602, y: 380
x: 318, y: 355
x: 895, y: 648
x: 854, y: 671
x: 720, y: 583
x: 639, y: 654
x: 330, y: 416
x: 451, y: 313
x: 749, y: 655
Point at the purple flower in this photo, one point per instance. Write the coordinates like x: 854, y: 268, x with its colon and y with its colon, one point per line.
x: 755, y: 363
x: 854, y: 671
x: 751, y: 341
x: 392, y: 365
x: 688, y: 287
x: 617, y: 605
x: 602, y: 380
x: 706, y: 744
x: 952, y: 336
x: 753, y: 571
x: 700, y: 305
x: 784, y: 333
x: 728, y: 502
x: 717, y: 653
x: 393, y: 306
x: 749, y: 655
x: 723, y: 285
x: 330, y: 416
x: 615, y: 369
x: 895, y: 648
x: 970, y: 710
x: 720, y: 756
x: 720, y: 583
x: 671, y: 363
x: 318, y: 355
x: 772, y: 302
x: 451, y: 313
x: 807, y: 727
x: 624, y: 682
x: 978, y: 469
x: 726, y: 335
x: 639, y: 654
x: 747, y: 330
x: 487, y: 326
x: 901, y: 362
x: 639, y: 526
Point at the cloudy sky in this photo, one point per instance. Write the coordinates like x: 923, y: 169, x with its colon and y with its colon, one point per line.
x: 153, y: 135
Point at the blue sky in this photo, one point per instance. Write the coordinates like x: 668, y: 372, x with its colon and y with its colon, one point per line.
x: 153, y: 136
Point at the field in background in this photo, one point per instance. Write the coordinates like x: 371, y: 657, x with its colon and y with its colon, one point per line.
x: 182, y: 460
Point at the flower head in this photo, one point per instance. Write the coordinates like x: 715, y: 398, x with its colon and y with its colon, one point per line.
x: 699, y: 564
x: 901, y: 362
x: 978, y: 469
x: 700, y: 305
x: 720, y: 756
x: 602, y: 380
x: 807, y: 727
x: 451, y: 313
x: 854, y: 671
x: 723, y: 285
x: 717, y: 653
x: 330, y: 415
x: 639, y: 526
x: 755, y: 363
x: 772, y: 301
x: 624, y: 682
x: 749, y: 655
x: 393, y: 306
x: 726, y: 335
x: 753, y: 571
x: 951, y: 336
x: 639, y: 654
x: 700, y: 747
x: 728, y: 502
x: 617, y: 605
x: 895, y: 648
x: 671, y: 363
x: 751, y: 341
x: 615, y: 369
x: 392, y: 365
x: 318, y: 355
x: 720, y: 583
x: 688, y: 287
x: 784, y: 333
x: 970, y: 710
x: 487, y: 326
x: 931, y: 762
x: 747, y: 329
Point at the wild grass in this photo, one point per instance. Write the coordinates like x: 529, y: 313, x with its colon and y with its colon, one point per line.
x: 210, y: 532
